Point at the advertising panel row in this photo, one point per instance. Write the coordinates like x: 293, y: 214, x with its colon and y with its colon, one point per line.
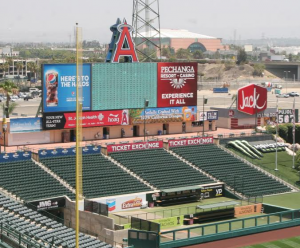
x: 23, y: 125
x: 135, y: 146
x: 16, y: 156
x: 191, y: 142
x: 123, y: 203
x: 68, y: 151
x: 89, y: 119
x: 59, y: 87
x: 163, y: 115
x: 119, y: 86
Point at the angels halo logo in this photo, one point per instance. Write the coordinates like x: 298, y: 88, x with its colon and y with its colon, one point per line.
x: 100, y: 117
x: 177, y: 83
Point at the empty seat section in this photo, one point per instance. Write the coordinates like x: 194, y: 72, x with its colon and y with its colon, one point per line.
x: 161, y: 169
x: 225, y: 167
x: 101, y: 177
x: 28, y: 181
x: 41, y: 229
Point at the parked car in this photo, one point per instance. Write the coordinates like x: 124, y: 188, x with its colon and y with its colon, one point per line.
x: 26, y: 98
x: 293, y: 94
x: 282, y: 95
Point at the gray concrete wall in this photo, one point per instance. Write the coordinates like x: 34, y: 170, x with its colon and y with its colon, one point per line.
x: 94, y: 224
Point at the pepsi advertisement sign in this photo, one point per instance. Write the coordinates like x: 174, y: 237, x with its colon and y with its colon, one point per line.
x: 59, y: 87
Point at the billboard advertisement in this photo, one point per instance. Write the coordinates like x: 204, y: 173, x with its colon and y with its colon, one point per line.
x: 89, y: 119
x: 123, y: 203
x: 176, y: 84
x: 23, y: 125
x: 16, y: 156
x: 44, y: 153
x: 208, y: 116
x: 135, y: 146
x: 212, y: 191
x: 287, y: 116
x: 59, y: 87
x: 252, y: 99
x: 45, y: 204
x: 191, y: 142
x: 163, y: 115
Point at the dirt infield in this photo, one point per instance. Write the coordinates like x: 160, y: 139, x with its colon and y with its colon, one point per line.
x: 251, y: 239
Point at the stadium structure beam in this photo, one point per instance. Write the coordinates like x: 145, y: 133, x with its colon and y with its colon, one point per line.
x: 146, y: 24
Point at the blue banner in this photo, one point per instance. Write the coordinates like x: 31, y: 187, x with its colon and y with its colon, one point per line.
x: 220, y: 90
x: 68, y: 151
x: 158, y: 115
x: 16, y: 156
x: 23, y: 125
x: 59, y: 87
x: 212, y: 115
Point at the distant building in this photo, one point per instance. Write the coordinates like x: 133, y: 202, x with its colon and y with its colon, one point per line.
x: 8, y: 51
x: 13, y: 72
x: 181, y: 38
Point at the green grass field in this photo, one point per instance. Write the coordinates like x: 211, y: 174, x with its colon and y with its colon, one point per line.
x: 283, y: 243
x: 267, y: 162
x: 290, y: 200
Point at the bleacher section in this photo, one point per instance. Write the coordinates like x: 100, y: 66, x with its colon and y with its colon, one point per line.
x: 223, y: 166
x: 161, y: 169
x: 28, y: 181
x: 100, y: 176
x: 43, y: 231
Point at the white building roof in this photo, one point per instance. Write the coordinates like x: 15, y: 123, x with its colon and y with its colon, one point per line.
x: 177, y: 33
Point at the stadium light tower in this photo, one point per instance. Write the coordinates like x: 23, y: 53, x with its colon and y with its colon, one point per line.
x: 146, y: 33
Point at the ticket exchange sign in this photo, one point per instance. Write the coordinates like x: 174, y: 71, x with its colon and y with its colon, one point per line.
x: 135, y: 146
x: 176, y: 84
x: 191, y: 141
x: 89, y: 119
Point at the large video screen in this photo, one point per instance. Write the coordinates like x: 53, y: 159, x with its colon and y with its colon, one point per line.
x: 59, y: 87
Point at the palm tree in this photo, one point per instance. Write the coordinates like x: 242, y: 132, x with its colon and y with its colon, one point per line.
x: 9, y: 88
x: 19, y: 67
x: 10, y: 109
x: 33, y: 68
x: 5, y: 67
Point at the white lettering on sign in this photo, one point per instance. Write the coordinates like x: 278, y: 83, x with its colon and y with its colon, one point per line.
x: 192, y: 141
x: 251, y: 101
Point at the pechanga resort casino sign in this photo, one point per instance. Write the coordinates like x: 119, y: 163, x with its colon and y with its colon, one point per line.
x: 176, y: 84
x: 252, y: 99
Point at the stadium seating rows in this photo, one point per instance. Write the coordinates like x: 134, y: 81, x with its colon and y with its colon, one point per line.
x: 28, y: 181
x: 231, y: 170
x: 101, y: 177
x: 161, y: 169
x: 39, y: 227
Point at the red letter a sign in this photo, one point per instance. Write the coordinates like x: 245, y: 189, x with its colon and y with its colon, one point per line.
x: 124, y: 46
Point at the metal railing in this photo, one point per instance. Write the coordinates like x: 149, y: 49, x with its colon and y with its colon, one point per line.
x: 273, y: 219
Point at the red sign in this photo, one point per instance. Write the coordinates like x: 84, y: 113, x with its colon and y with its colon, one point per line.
x: 231, y: 113
x: 191, y: 141
x: 252, y: 99
x: 125, y: 40
x: 135, y: 146
x: 89, y: 119
x: 176, y: 84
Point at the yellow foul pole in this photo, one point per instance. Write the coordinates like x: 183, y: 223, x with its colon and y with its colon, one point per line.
x: 78, y: 128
